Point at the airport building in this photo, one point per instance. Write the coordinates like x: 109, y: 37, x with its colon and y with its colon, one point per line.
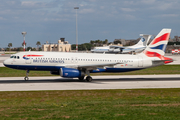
x: 61, y: 46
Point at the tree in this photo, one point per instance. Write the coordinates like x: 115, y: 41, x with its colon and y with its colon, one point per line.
x: 117, y: 41
x: 38, y: 43
x: 92, y: 42
x: 33, y: 49
x: 40, y: 49
x: 19, y: 49
x: 73, y: 47
x: 98, y: 42
x: 105, y: 41
x: 9, y: 45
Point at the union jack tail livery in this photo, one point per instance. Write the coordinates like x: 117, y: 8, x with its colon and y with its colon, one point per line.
x: 158, y: 46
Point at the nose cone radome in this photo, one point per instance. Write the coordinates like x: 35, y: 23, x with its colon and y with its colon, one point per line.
x: 6, y: 62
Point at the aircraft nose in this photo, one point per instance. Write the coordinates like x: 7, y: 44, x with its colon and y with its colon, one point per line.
x: 6, y: 62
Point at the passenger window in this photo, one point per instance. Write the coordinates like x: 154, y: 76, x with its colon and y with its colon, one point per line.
x: 17, y: 57
x: 12, y: 57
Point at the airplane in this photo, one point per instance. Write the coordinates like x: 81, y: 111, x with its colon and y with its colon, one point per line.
x: 139, y: 47
x: 78, y: 65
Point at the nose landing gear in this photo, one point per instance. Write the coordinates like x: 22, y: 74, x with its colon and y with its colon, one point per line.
x: 26, y: 78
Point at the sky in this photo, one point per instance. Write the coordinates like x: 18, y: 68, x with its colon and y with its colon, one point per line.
x: 49, y: 20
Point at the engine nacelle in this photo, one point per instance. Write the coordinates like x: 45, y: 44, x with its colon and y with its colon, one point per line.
x: 55, y: 72
x: 71, y: 73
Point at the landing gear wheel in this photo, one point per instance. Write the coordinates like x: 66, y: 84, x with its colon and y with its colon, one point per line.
x: 81, y: 78
x: 88, y: 78
x: 26, y: 78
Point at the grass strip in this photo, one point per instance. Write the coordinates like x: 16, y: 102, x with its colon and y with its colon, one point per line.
x: 136, y: 104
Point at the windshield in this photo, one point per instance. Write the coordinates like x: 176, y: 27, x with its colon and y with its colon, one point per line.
x: 15, y: 57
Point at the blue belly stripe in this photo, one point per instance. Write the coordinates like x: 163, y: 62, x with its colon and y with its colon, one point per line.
x: 54, y: 68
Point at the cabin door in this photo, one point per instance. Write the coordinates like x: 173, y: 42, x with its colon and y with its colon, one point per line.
x: 28, y: 59
x: 140, y: 62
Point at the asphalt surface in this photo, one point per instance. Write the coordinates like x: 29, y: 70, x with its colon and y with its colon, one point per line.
x: 99, y: 82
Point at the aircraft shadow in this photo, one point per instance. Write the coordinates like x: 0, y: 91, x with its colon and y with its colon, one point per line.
x: 94, y: 80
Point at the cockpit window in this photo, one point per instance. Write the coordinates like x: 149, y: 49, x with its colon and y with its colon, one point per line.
x: 15, y: 57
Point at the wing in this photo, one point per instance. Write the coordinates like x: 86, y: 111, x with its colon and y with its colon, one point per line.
x: 137, y: 50
x: 115, y: 46
x: 91, y: 66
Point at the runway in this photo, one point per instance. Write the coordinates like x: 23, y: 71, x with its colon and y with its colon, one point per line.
x: 99, y: 82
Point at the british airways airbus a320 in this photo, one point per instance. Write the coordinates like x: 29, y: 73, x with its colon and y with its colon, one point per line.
x: 78, y: 65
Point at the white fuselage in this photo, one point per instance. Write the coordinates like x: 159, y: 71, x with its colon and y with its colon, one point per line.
x: 56, y: 60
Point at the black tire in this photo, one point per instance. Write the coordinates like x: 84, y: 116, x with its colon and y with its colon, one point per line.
x: 88, y: 78
x: 26, y: 78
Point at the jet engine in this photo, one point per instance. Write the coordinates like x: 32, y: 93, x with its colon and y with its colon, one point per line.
x: 71, y: 73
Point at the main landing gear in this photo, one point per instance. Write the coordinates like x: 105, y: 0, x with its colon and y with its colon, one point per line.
x: 26, y: 77
x: 88, y: 78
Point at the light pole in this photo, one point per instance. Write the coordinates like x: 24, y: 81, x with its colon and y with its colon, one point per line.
x: 24, y: 33
x: 76, y: 30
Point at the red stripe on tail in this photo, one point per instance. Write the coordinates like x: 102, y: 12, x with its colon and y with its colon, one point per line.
x: 164, y: 37
x: 154, y: 54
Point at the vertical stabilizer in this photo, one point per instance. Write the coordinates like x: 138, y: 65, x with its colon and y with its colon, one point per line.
x: 143, y: 41
x: 158, y: 46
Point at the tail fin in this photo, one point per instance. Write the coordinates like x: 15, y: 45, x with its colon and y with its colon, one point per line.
x: 144, y: 40
x: 158, y: 46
